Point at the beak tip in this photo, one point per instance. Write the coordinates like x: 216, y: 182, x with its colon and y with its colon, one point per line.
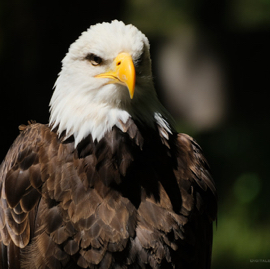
x: 131, y: 90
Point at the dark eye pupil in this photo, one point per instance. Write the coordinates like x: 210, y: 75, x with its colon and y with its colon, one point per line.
x: 94, y: 59
x: 97, y: 59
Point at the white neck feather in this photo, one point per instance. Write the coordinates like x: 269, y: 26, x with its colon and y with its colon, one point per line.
x: 78, y: 113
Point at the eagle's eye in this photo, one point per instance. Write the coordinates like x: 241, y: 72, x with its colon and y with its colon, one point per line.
x: 94, y: 59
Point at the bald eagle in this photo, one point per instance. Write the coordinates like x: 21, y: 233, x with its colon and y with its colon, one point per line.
x: 108, y: 183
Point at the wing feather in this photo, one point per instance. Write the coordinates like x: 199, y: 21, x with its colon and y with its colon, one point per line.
x: 20, y: 181
x: 135, y: 198
x: 193, y: 167
x: 199, y: 198
x: 175, y: 225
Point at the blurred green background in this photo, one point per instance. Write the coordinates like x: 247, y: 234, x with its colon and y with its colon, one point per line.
x: 211, y: 70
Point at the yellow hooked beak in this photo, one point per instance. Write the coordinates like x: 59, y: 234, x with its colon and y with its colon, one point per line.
x: 123, y: 72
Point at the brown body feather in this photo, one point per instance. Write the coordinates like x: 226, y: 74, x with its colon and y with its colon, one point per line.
x: 136, y: 199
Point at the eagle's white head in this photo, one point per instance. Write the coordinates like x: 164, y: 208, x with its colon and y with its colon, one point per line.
x: 106, y: 78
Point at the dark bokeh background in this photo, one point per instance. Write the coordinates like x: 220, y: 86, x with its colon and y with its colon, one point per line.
x: 216, y: 55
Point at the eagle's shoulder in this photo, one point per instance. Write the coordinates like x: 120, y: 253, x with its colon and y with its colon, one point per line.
x: 26, y: 148
x: 193, y: 171
x: 20, y: 182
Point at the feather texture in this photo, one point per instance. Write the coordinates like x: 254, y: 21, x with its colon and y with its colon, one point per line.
x: 130, y: 200
x: 108, y: 184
